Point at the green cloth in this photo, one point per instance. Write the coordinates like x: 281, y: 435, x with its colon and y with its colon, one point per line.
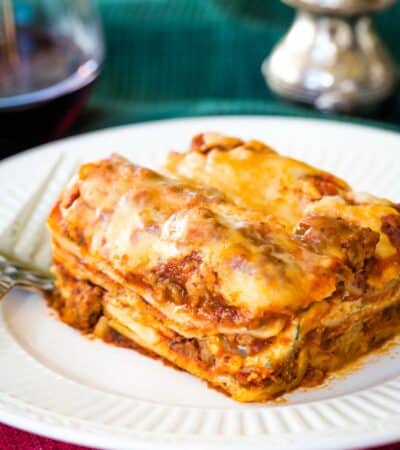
x: 175, y: 58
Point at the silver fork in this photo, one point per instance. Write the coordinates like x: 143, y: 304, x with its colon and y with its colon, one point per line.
x: 12, y: 274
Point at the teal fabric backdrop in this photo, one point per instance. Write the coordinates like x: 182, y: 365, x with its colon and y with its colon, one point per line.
x: 174, y: 58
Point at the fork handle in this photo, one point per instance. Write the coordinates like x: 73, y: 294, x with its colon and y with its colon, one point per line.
x: 6, y: 284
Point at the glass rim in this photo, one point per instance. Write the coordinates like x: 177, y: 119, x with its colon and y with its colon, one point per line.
x: 66, y: 86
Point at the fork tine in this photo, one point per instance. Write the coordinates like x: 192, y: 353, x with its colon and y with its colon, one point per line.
x: 5, y: 286
x: 13, y: 274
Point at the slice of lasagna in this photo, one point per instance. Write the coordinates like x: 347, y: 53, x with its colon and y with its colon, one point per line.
x: 255, y: 272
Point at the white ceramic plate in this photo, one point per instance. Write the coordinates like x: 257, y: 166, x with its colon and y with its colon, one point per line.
x: 55, y: 382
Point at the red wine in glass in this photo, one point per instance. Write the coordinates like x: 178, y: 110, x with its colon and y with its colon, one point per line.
x: 46, y: 69
x: 42, y: 95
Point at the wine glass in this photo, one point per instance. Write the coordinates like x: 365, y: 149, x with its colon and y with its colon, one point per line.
x: 51, y: 52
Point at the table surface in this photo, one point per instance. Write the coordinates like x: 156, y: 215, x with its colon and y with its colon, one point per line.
x: 13, y: 439
x: 222, y: 44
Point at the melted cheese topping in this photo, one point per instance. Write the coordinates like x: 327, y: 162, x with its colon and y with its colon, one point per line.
x: 189, y: 243
x: 255, y: 176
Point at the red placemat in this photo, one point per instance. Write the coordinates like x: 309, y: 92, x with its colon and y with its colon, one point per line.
x: 13, y: 439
